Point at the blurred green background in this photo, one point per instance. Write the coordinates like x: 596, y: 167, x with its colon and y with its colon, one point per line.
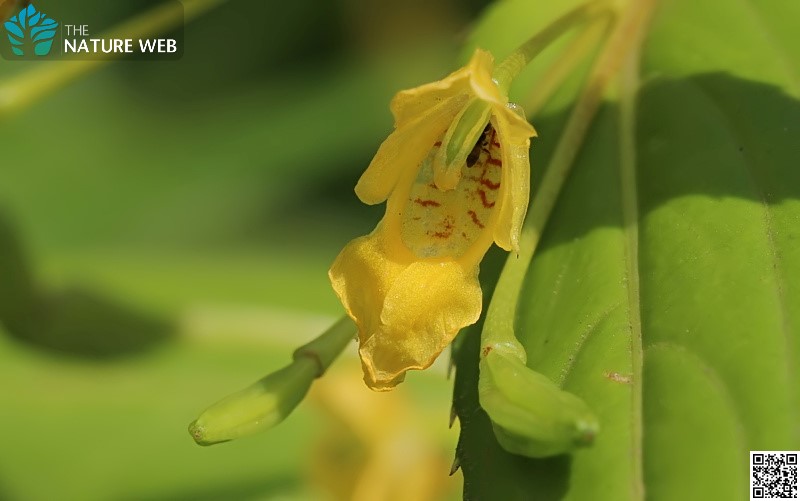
x: 165, y: 234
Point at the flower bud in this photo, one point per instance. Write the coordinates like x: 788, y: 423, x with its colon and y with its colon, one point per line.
x: 531, y: 416
x: 258, y: 407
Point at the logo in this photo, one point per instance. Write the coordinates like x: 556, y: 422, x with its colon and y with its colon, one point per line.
x: 32, y: 35
x: 31, y: 32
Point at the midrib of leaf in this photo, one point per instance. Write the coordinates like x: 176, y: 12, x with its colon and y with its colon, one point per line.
x: 629, y: 84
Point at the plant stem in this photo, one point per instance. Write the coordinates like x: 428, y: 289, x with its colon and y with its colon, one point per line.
x: 499, y: 323
x: 328, y: 346
x: 510, y: 67
x: 553, y: 78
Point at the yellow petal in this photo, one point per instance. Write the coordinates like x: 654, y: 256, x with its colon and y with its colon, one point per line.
x: 361, y: 276
x: 421, y: 116
x: 428, y: 303
x: 480, y: 69
x: 514, y: 134
x: 406, y: 312
x: 473, y: 79
x: 404, y: 149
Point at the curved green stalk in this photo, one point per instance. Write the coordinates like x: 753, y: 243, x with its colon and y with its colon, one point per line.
x: 530, y: 414
x: 510, y: 67
x: 553, y: 78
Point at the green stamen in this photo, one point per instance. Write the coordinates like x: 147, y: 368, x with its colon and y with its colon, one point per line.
x: 457, y: 143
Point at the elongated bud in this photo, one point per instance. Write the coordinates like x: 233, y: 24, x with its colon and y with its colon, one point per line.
x: 531, y: 416
x: 267, y: 402
x: 258, y: 407
x: 458, y: 142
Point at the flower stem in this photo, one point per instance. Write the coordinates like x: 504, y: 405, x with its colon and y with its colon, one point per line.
x: 26, y: 88
x: 530, y: 414
x: 553, y: 78
x: 327, y: 347
x: 511, y: 66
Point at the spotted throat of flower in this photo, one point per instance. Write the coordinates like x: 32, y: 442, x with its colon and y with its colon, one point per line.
x: 455, y: 178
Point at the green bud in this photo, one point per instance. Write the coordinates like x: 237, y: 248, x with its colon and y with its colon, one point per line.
x: 530, y: 414
x: 267, y: 402
x: 258, y: 407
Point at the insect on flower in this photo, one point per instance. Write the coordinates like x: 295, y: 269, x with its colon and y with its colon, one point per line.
x: 479, y: 146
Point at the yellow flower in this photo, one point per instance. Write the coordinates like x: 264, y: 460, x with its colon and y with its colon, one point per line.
x: 455, y: 173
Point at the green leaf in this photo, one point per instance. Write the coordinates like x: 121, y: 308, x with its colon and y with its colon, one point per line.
x: 665, y: 290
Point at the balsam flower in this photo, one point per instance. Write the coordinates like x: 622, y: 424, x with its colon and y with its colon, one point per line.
x: 455, y: 175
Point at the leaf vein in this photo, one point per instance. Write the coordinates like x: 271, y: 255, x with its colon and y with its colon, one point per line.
x: 716, y: 381
x: 769, y: 233
x: 594, y: 325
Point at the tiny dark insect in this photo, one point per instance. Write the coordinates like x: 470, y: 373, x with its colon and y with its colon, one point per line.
x: 475, y: 154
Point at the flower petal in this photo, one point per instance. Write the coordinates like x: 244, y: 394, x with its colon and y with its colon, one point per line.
x: 428, y: 303
x: 421, y: 116
x: 480, y: 69
x: 404, y: 149
x: 406, y: 313
x: 361, y: 276
x: 514, y: 133
x: 474, y: 78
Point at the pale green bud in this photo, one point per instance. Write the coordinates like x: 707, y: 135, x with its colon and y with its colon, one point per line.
x: 258, y: 407
x: 267, y: 402
x: 531, y: 416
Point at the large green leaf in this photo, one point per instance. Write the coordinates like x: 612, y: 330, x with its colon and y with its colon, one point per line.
x: 666, y: 295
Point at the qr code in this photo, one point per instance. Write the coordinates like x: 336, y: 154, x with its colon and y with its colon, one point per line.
x: 773, y: 475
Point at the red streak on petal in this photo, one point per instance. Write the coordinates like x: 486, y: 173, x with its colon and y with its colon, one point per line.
x: 427, y: 203
x: 489, y: 184
x: 486, y: 203
x: 475, y: 219
x: 437, y: 143
x: 447, y: 231
x: 495, y: 161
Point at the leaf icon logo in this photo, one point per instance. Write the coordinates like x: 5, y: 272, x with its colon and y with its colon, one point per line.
x: 31, y: 32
